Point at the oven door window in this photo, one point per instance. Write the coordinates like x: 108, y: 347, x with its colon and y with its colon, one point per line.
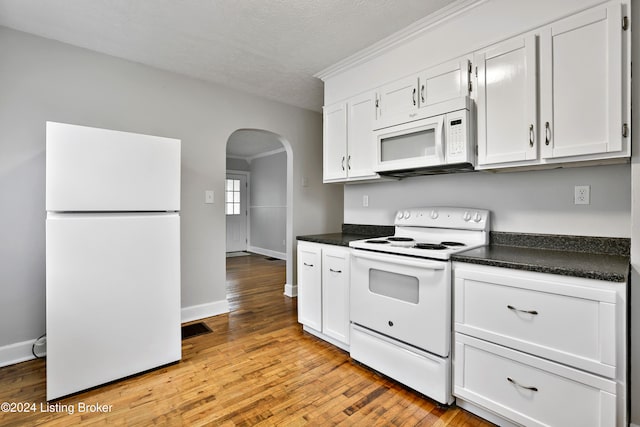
x: 393, y: 285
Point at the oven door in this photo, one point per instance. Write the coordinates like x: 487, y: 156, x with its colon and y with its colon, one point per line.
x: 405, y: 298
x: 411, y: 145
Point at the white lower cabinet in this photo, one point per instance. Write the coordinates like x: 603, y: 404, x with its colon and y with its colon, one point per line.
x: 539, y: 349
x: 530, y: 390
x: 323, y: 291
x: 310, y: 285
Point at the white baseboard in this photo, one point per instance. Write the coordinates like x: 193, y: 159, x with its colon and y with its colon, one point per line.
x: 16, y: 353
x: 201, y: 311
x: 21, y: 351
x: 290, y: 290
x: 267, y: 252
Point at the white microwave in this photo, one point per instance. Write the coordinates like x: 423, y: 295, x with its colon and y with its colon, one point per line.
x: 442, y: 142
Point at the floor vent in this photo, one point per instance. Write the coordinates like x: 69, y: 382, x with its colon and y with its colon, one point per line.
x: 195, y: 329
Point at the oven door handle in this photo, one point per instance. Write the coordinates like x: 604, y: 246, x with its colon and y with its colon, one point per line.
x: 400, y: 260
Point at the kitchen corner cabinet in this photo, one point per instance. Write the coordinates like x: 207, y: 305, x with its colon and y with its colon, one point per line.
x: 405, y: 99
x: 573, y: 74
x: 507, y: 102
x: 348, y: 153
x: 540, y: 349
x: 323, y: 291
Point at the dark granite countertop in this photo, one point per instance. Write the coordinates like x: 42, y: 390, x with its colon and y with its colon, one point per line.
x: 350, y: 232
x: 613, y: 268
x: 599, y: 258
x: 339, y: 239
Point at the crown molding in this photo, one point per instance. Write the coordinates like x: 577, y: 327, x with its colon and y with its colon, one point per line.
x: 403, y: 36
x: 256, y: 156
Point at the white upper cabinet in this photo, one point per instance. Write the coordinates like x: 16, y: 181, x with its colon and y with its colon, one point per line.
x: 335, y: 142
x: 507, y: 102
x: 360, y: 146
x: 405, y: 100
x: 581, y: 79
x: 397, y: 102
x: 444, y: 82
x: 348, y: 148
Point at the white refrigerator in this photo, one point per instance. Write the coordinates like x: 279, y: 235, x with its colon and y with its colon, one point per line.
x: 112, y: 255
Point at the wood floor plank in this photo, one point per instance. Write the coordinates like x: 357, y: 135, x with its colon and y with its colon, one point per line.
x: 257, y: 367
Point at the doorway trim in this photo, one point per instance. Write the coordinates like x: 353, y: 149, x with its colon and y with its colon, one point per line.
x: 290, y: 290
x: 247, y: 176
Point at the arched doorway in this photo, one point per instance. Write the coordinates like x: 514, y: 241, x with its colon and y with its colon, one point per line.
x: 265, y: 159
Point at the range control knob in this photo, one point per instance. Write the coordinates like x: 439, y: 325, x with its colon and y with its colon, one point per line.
x: 407, y: 214
x: 399, y: 215
x: 434, y: 214
x: 477, y: 217
x: 466, y: 216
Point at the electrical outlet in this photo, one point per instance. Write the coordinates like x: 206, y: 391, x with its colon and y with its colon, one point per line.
x: 365, y: 201
x: 582, y: 195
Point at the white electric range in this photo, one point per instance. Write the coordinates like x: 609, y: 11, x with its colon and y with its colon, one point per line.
x: 400, y: 300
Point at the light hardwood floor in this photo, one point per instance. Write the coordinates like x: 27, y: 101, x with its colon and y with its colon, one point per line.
x: 257, y: 368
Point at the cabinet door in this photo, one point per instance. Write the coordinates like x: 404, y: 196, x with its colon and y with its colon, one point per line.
x: 507, y: 88
x: 335, y: 293
x: 361, y: 147
x: 397, y: 102
x: 310, y: 286
x: 335, y: 142
x: 581, y: 84
x: 444, y: 82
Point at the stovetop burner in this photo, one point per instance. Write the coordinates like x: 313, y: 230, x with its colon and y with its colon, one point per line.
x: 378, y: 241
x: 452, y: 244
x: 400, y: 239
x: 431, y: 246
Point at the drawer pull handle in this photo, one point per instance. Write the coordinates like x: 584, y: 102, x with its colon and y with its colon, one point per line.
x: 308, y: 265
x: 512, y: 381
x: 510, y: 307
x: 335, y: 271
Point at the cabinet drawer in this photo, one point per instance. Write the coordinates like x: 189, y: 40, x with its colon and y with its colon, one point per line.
x: 565, y: 322
x: 530, y: 390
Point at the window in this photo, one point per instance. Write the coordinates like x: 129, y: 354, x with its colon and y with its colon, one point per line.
x: 232, y: 197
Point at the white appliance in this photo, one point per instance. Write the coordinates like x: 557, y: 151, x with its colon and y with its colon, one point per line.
x: 401, y: 295
x: 440, y: 142
x: 112, y: 255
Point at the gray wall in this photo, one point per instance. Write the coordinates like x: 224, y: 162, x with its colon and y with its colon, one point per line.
x: 268, y: 204
x: 526, y: 202
x: 44, y: 80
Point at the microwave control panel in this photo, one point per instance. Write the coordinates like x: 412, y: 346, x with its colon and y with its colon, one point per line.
x: 457, y: 137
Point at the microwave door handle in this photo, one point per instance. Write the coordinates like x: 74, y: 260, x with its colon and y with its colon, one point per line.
x: 440, y: 142
x: 397, y: 260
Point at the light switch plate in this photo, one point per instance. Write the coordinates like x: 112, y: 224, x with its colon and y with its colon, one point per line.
x: 208, y: 197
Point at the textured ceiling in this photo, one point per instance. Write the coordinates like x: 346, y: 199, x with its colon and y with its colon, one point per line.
x: 270, y: 48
